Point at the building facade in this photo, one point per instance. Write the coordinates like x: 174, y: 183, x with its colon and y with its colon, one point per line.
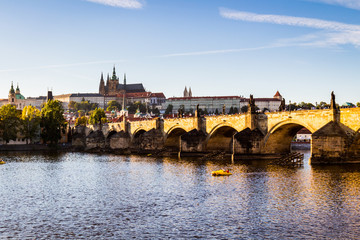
x: 219, y: 104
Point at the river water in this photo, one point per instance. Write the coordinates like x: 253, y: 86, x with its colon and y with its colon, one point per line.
x: 89, y: 196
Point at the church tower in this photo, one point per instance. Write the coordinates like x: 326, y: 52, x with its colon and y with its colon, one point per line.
x: 186, y: 93
x: 113, y: 83
x: 12, y: 95
x: 190, y: 93
x: 102, y: 85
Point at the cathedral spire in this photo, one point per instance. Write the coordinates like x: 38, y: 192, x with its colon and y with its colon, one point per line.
x: 17, y: 88
x: 102, y: 85
x: 12, y: 88
x: 186, y: 93
x: 114, y: 77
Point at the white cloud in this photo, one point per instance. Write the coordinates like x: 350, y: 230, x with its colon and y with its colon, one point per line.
x: 354, y: 4
x: 335, y: 33
x: 288, y: 20
x: 135, y: 4
x: 210, y: 52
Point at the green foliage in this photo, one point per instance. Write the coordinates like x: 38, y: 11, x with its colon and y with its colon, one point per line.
x: 155, y: 111
x: 113, y: 105
x: 84, y: 105
x: 9, y: 122
x: 71, y: 106
x: 236, y: 110
x: 231, y: 110
x: 97, y: 116
x: 134, y: 106
x: 81, y: 121
x: 169, y: 109
x: 30, y: 119
x: 216, y: 112
x: 244, y: 109
x: 52, y: 122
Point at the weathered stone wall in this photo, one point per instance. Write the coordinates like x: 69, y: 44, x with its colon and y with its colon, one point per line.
x: 248, y: 141
x: 145, y: 125
x: 95, y: 140
x: 193, y: 141
x: 188, y: 124
x: 350, y: 117
x: 237, y: 121
x: 120, y: 141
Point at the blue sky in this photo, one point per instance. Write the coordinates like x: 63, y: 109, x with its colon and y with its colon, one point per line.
x: 303, y: 48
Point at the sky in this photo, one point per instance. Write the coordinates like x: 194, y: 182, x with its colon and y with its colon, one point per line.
x: 302, y: 48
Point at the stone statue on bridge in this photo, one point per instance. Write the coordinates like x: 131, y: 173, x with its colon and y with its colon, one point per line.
x: 224, y: 109
x: 332, y: 102
x: 282, y: 106
x: 197, y: 111
x: 252, y: 108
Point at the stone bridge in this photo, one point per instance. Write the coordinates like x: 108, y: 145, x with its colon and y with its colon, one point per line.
x: 335, y: 134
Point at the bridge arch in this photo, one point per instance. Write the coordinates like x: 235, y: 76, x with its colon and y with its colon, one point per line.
x: 278, y: 140
x: 172, y: 138
x: 220, y: 138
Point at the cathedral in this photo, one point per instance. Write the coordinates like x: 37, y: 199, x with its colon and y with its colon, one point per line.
x: 114, y: 88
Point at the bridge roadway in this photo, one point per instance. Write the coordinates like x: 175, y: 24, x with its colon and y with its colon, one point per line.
x: 335, y: 133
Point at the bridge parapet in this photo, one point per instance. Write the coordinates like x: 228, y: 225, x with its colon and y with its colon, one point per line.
x: 187, y: 123
x: 236, y: 121
x: 350, y: 117
x: 311, y: 119
x: 145, y: 125
x: 118, y: 127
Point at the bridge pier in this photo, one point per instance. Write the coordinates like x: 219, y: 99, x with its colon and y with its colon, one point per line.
x: 248, y: 142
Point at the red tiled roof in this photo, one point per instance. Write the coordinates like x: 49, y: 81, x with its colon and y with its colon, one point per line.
x: 208, y: 97
x: 304, y: 131
x: 277, y: 94
x: 261, y: 100
x: 158, y: 95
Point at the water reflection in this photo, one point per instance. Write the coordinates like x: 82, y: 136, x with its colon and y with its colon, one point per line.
x: 74, y: 195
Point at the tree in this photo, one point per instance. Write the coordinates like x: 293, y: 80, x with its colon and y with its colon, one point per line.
x: 155, y: 111
x: 81, y: 121
x: 113, y: 105
x: 84, y: 105
x: 30, y: 119
x: 52, y: 122
x: 137, y: 105
x: 216, y: 112
x: 244, y: 109
x: 97, y: 116
x: 9, y: 122
x: 71, y: 106
x: 236, y: 110
x: 169, y: 109
x: 231, y: 110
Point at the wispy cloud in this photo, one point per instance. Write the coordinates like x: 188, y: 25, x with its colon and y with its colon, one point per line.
x: 336, y: 33
x: 134, y: 4
x: 354, y: 4
x: 211, y: 52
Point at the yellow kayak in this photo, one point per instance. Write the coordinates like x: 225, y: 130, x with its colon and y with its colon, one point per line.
x: 221, y: 172
x: 2, y: 162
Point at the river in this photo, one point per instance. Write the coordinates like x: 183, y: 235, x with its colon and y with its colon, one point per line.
x: 90, y: 196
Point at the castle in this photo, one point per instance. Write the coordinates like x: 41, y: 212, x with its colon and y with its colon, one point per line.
x: 114, y: 88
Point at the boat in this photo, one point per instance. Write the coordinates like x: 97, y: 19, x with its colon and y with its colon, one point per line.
x: 221, y: 172
x: 2, y: 162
